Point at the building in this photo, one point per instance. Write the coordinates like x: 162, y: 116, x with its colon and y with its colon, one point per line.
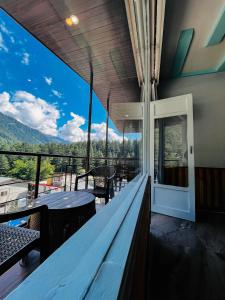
x: 160, y: 65
x: 11, y: 188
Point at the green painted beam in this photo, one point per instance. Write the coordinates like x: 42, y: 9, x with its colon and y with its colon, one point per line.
x: 182, y: 50
x: 219, y: 30
x: 221, y: 67
x: 198, y: 72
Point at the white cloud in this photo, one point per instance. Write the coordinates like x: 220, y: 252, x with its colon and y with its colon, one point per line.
x: 71, y: 131
x: 6, y: 106
x: 57, y: 93
x: 2, y: 44
x: 29, y: 80
x: 48, y: 80
x: 31, y: 111
x: 25, y: 59
x: 100, y: 133
x: 4, y: 29
x: 64, y: 103
x: 38, y: 114
x: 12, y: 40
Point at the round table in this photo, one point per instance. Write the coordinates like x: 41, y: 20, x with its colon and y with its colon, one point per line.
x: 68, y: 211
x: 65, y: 200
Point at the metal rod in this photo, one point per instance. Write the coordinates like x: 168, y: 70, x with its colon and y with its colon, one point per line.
x: 107, y: 128
x: 161, y: 151
x: 89, y: 123
x: 21, y: 153
x: 61, y: 155
x: 37, y: 179
x: 71, y: 173
x: 123, y: 135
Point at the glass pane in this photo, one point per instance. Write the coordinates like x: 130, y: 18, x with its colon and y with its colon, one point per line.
x: 171, y: 152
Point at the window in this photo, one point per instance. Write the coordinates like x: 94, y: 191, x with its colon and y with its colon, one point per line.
x: 4, y: 193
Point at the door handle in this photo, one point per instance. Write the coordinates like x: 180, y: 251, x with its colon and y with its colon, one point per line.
x: 191, y: 149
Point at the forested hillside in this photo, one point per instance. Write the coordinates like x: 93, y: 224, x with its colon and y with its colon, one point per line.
x: 12, y: 130
x: 24, y: 167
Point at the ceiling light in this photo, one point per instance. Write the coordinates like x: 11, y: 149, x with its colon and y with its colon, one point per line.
x: 126, y: 116
x: 72, y: 20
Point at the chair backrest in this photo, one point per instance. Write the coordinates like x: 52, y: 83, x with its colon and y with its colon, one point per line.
x: 100, y: 175
x: 23, y: 213
x: 43, y: 237
x: 40, y: 211
x: 103, y: 171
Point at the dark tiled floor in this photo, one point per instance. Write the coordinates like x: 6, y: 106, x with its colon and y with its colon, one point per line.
x: 188, y: 259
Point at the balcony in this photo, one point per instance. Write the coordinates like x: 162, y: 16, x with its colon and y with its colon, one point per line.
x: 157, y: 68
x: 20, y: 192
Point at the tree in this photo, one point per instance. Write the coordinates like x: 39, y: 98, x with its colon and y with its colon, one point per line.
x: 47, y: 169
x: 24, y: 170
x: 4, y: 165
x: 24, y: 167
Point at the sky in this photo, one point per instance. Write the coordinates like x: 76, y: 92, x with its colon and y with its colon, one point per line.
x: 40, y: 91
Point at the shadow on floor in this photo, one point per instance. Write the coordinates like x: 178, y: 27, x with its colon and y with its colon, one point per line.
x: 188, y: 259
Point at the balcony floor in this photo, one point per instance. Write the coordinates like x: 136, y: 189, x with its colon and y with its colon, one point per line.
x: 14, y: 276
x: 188, y: 259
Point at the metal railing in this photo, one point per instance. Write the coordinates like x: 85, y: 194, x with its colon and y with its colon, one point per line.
x: 126, y: 168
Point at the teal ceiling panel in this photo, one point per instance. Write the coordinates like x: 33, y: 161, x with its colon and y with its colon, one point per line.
x: 221, y: 67
x: 219, y: 31
x: 182, y: 50
x: 198, y: 72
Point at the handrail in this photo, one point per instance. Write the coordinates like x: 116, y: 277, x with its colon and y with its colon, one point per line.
x: 14, y: 182
x: 102, y: 246
x: 40, y: 155
x: 21, y: 153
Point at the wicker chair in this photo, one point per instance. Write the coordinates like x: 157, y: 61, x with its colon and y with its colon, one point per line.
x: 103, y: 182
x: 17, y: 242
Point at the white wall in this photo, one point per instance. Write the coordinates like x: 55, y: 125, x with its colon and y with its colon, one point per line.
x: 209, y: 114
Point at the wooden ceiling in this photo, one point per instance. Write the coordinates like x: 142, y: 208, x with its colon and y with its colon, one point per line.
x: 102, y: 39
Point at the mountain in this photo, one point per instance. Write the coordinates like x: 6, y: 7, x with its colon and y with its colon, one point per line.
x: 13, y: 130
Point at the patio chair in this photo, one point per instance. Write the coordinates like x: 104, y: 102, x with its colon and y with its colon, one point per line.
x: 103, y: 182
x: 17, y: 242
x: 124, y: 173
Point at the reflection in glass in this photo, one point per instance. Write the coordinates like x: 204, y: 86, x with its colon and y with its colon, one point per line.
x: 171, y: 151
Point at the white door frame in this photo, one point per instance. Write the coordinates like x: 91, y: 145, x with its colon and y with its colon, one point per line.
x: 166, y: 199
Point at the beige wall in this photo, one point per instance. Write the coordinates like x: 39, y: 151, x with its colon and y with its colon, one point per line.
x: 209, y: 114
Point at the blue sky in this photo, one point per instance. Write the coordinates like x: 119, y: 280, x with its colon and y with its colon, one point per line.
x: 40, y: 91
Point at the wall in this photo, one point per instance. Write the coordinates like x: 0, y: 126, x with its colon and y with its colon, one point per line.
x: 209, y: 114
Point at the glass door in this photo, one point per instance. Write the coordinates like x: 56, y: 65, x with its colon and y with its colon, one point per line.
x: 172, y: 157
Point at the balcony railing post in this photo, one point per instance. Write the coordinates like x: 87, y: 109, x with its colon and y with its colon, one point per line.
x: 123, y: 137
x: 71, y: 173
x: 107, y: 128
x: 37, y: 179
x: 89, y: 123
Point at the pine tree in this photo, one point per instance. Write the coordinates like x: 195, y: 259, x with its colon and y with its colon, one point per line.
x: 4, y: 164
